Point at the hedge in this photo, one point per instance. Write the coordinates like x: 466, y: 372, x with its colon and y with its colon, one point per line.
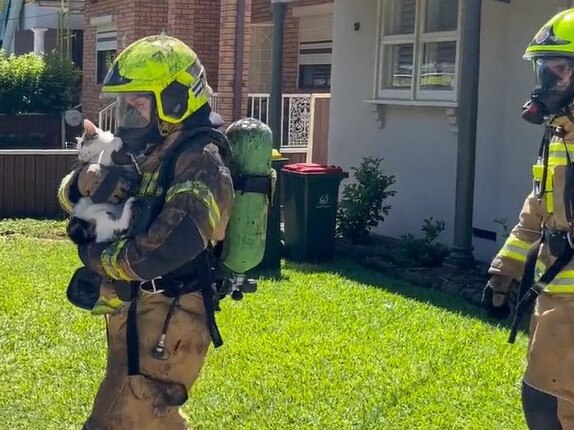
x: 31, y: 83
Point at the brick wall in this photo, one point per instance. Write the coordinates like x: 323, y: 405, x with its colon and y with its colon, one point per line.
x: 91, y: 104
x: 262, y: 14
x: 135, y: 19
x: 208, y: 26
x: 227, y: 51
x: 196, y: 22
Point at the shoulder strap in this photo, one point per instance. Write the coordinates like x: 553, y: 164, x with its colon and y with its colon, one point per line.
x: 529, y: 289
x: 197, y: 136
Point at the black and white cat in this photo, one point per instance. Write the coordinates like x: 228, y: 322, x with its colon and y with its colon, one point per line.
x: 101, y: 222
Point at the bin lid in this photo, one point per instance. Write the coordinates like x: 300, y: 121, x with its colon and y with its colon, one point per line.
x: 313, y: 169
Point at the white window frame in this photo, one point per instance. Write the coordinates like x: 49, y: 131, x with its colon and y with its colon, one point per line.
x: 104, y: 46
x: 418, y: 39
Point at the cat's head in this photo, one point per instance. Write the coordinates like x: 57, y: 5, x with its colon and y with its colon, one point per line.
x: 92, y: 142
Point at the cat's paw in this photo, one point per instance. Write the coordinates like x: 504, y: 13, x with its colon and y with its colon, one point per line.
x: 130, y: 209
x: 130, y: 203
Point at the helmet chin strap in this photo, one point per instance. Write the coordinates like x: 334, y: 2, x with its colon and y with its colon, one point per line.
x: 167, y: 128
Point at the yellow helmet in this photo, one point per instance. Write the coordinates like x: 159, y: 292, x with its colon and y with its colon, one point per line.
x: 554, y: 39
x: 165, y: 67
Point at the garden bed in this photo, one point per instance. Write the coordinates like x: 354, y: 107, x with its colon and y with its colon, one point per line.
x: 379, y: 255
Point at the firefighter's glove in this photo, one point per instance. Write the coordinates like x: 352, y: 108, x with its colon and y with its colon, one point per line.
x: 495, y: 296
x: 106, y: 184
x: 90, y: 254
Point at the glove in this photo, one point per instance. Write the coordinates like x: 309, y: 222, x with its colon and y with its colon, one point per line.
x: 495, y: 296
x: 90, y: 254
x: 90, y: 291
x: 106, y: 184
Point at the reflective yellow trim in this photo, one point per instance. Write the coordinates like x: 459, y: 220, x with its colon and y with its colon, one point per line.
x: 557, y: 155
x: 62, y: 195
x: 563, y: 283
x: 519, y: 243
x: 107, y: 306
x: 199, y: 190
x: 109, y: 261
x: 560, y: 289
x: 538, y: 173
x: 148, y: 184
x: 513, y: 255
x: 540, y: 265
x: 515, y: 248
x: 565, y: 274
x: 560, y: 146
x: 549, y: 196
x: 557, y: 160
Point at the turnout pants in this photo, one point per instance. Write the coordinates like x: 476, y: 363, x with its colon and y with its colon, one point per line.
x: 548, y: 388
x: 151, y: 400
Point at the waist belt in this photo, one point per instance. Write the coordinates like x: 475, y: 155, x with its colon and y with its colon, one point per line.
x: 172, y: 289
x: 169, y: 287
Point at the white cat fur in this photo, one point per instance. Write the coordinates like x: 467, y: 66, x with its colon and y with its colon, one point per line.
x: 110, y: 221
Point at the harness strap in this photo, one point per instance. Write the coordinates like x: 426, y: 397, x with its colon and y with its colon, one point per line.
x: 133, y: 349
x: 543, y: 154
x: 175, y: 290
x: 529, y: 290
x: 200, y: 135
x: 260, y: 184
x: 205, y: 281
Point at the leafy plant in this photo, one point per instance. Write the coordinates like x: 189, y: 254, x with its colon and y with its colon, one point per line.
x: 503, y: 223
x: 31, y: 83
x: 424, y: 251
x: 362, y: 205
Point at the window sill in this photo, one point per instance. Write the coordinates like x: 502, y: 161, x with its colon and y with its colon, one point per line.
x: 405, y: 102
x: 451, y: 107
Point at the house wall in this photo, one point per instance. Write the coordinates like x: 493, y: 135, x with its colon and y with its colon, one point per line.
x: 418, y: 143
x: 262, y: 14
x: 91, y: 103
x: 24, y: 41
x: 198, y: 23
x: 195, y: 22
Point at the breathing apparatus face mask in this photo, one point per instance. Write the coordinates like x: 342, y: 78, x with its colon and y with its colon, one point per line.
x: 554, y: 88
x: 137, y: 121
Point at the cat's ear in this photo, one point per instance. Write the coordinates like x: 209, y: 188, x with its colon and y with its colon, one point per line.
x: 89, y: 128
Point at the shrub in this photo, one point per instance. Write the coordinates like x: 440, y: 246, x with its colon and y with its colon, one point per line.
x: 503, y: 223
x: 33, y: 84
x: 361, y: 207
x: 424, y: 251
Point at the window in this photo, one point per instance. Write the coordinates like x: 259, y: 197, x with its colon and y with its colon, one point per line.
x: 418, y: 50
x: 260, y: 61
x: 106, y: 49
x: 315, y: 76
x: 315, y: 51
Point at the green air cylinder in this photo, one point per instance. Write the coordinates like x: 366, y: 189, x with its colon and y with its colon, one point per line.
x: 244, y: 244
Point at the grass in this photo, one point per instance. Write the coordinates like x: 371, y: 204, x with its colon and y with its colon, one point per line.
x: 327, y: 347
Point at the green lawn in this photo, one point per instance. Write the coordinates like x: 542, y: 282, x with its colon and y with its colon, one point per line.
x: 328, y: 347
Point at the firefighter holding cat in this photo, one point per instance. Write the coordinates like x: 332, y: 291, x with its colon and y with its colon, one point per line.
x: 158, y: 341
x: 543, y: 238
